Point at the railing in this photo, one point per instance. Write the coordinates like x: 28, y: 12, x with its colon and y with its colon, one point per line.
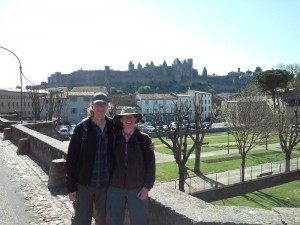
x: 221, y: 179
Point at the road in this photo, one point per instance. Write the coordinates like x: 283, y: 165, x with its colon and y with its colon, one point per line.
x: 12, y: 207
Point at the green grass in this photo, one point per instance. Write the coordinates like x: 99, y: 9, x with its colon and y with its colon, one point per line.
x: 169, y: 170
x: 216, y: 139
x: 284, y: 195
x: 164, y: 149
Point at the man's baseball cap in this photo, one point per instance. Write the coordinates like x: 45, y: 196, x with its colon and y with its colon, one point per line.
x: 100, y: 97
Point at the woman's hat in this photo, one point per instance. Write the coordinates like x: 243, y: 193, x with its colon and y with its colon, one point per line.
x: 129, y: 111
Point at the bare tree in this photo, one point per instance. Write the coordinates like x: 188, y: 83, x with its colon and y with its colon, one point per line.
x: 288, y: 125
x: 247, y: 119
x: 38, y: 100
x: 54, y: 104
x: 178, y: 137
x: 286, y: 106
x: 201, y: 130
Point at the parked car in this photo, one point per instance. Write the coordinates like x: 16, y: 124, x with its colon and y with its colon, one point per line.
x: 150, y: 128
x: 63, y: 131
x: 193, y: 125
x: 173, y: 125
x: 165, y: 127
x: 72, y: 127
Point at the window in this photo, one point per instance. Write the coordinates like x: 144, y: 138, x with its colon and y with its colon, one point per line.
x: 73, y: 110
x: 73, y: 99
x: 147, y: 102
x: 86, y: 99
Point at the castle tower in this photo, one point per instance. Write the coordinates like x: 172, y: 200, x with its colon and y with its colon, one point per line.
x: 204, y: 72
x: 165, y: 68
x: 130, y: 66
x: 107, y: 75
x: 139, y: 67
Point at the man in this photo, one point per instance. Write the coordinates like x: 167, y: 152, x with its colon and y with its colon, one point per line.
x: 89, y: 163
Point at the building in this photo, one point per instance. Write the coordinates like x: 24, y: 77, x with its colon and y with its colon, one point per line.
x: 164, y: 104
x: 75, y: 106
x: 153, y: 104
x: 10, y: 103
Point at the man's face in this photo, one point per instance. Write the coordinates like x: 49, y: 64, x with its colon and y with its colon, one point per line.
x: 100, y: 108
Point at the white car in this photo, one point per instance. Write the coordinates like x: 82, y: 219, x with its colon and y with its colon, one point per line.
x: 63, y: 131
x: 150, y: 128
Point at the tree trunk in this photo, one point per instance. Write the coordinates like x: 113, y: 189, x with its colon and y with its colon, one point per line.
x: 182, y: 173
x: 287, y: 161
x: 243, y: 168
x: 197, y: 158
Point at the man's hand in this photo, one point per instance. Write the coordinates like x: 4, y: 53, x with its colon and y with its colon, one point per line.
x: 143, y: 194
x: 72, y: 196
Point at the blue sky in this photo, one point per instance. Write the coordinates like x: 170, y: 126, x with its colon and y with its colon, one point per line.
x: 67, y: 35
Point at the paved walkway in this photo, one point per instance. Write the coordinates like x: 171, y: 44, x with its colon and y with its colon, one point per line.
x: 29, y: 179
x: 161, y: 157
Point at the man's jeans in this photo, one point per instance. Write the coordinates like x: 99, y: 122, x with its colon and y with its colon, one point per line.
x: 87, y: 199
x: 116, y: 203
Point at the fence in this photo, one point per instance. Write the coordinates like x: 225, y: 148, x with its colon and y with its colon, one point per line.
x: 221, y: 179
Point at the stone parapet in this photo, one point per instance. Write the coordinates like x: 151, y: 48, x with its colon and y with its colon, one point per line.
x: 169, y: 206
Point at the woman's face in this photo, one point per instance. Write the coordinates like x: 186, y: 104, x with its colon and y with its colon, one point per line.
x: 128, y: 121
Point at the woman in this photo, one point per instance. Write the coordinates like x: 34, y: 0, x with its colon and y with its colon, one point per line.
x: 133, y: 171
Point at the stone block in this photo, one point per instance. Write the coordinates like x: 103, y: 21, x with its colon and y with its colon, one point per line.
x: 57, y: 173
x: 7, y: 134
x: 23, y: 146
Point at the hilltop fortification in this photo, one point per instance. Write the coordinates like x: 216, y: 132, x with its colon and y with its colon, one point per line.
x: 180, y: 73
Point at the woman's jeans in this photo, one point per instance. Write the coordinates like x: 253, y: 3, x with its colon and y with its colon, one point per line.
x: 116, y: 203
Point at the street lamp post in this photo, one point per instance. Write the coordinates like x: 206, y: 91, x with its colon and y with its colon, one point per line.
x: 21, y: 73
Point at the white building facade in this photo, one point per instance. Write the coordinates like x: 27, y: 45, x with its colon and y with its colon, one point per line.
x: 75, y: 106
x: 10, y: 102
x: 152, y: 104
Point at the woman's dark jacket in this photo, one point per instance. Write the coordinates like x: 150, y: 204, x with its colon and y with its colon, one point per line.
x: 81, y: 153
x: 137, y: 170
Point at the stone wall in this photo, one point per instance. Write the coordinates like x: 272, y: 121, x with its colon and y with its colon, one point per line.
x: 42, y: 147
x: 237, y: 189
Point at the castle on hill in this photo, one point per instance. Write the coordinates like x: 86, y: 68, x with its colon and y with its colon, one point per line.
x: 179, y: 73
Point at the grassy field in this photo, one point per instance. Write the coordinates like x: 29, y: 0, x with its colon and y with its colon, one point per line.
x: 169, y: 170
x: 284, y: 195
x: 216, y: 142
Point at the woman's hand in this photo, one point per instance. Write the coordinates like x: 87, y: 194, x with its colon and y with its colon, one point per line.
x: 72, y: 196
x: 143, y: 194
